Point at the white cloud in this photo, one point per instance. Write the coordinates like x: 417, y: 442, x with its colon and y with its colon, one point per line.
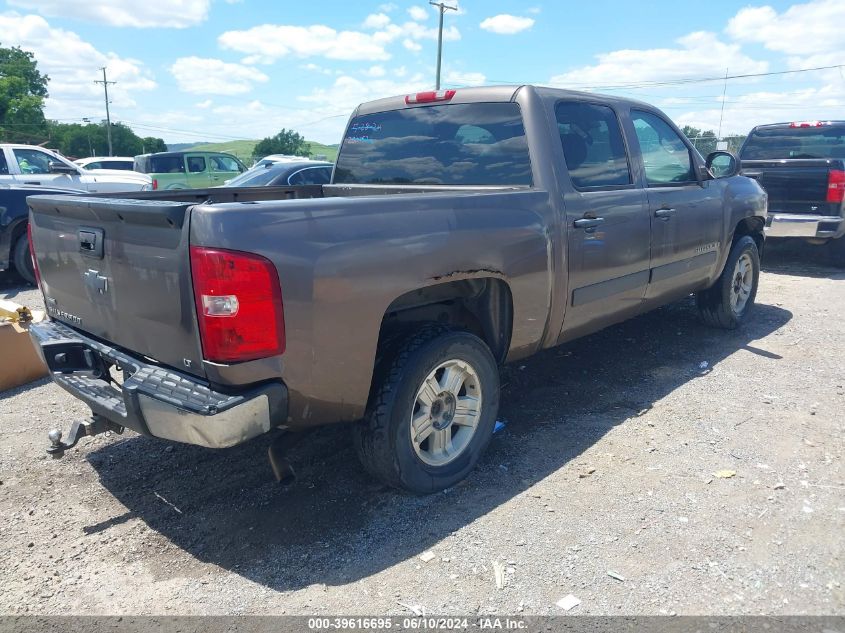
x: 375, y: 71
x: 387, y: 7
x: 152, y: 14
x: 203, y: 105
x: 699, y: 54
x: 418, y: 13
x: 506, y: 24
x: 457, y: 78
x: 199, y: 75
x: 348, y: 92
x: 269, y: 42
x: 377, y: 21
x: 803, y: 29
x: 73, y: 65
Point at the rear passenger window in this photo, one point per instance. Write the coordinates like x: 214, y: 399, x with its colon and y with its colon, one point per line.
x: 592, y: 145
x: 166, y: 165
x: 311, y: 176
x: 196, y: 164
x: 4, y: 166
x: 666, y: 157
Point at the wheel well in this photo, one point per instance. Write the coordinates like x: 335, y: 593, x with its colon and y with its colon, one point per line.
x: 481, y: 306
x: 752, y: 227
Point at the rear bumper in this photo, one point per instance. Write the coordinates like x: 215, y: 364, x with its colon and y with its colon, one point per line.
x: 800, y: 225
x: 154, y: 400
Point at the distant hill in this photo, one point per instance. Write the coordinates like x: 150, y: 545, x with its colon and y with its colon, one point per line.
x: 243, y: 149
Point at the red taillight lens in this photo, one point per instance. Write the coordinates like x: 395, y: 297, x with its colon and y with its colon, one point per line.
x: 155, y: 183
x: 430, y: 97
x: 239, y: 305
x: 32, y: 254
x: 835, y: 185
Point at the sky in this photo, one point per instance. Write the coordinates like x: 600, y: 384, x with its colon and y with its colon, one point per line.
x: 193, y: 70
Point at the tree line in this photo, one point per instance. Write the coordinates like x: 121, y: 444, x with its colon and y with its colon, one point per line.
x: 23, y: 89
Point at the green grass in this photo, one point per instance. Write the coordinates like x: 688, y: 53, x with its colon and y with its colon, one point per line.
x: 244, y: 149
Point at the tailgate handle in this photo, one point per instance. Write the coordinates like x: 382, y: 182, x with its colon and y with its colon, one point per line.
x: 91, y: 242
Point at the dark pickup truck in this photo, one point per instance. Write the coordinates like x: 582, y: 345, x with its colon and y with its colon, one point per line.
x: 14, y: 213
x: 801, y: 166
x: 461, y: 230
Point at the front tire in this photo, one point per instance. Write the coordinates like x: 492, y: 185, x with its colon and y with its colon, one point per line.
x: 431, y: 412
x: 728, y: 302
x: 22, y: 259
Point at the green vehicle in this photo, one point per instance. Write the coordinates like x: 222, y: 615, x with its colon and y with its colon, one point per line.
x: 188, y: 170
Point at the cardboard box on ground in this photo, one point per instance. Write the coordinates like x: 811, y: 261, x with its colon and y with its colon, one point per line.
x: 19, y: 361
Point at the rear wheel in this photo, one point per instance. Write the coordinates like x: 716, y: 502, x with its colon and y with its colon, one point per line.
x: 432, y: 412
x: 836, y: 252
x: 727, y: 303
x: 22, y: 260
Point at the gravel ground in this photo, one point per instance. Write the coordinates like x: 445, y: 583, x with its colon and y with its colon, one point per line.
x: 606, y: 464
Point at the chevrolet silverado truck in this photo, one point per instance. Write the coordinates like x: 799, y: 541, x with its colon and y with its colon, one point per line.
x: 801, y: 165
x: 461, y: 230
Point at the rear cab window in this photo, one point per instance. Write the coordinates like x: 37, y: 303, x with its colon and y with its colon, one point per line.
x: 801, y: 140
x: 454, y: 144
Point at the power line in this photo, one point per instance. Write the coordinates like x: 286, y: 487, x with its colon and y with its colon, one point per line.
x: 682, y: 81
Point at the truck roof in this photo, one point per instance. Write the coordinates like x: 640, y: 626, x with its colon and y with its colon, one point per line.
x: 793, y: 124
x: 488, y: 94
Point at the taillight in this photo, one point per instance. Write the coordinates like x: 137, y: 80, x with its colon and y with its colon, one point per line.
x: 155, y: 184
x: 32, y: 254
x: 239, y: 305
x: 430, y: 97
x: 835, y: 185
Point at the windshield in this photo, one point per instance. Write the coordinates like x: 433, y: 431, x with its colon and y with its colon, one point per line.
x: 460, y: 144
x: 827, y: 141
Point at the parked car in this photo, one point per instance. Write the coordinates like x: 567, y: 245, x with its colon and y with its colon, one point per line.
x: 124, y: 163
x: 188, y: 170
x: 801, y: 166
x: 278, y: 158
x: 14, y: 214
x: 32, y: 165
x: 305, y: 172
x: 463, y: 229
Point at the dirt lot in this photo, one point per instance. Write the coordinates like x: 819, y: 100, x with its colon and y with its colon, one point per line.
x: 607, y: 463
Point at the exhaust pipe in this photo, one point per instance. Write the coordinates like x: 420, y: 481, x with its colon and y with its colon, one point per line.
x: 277, y: 454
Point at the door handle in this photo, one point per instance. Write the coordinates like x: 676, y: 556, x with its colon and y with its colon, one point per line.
x: 664, y: 214
x: 32, y: 182
x: 588, y: 223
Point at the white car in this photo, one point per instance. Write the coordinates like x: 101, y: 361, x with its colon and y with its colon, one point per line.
x: 32, y: 165
x: 279, y: 158
x: 125, y: 163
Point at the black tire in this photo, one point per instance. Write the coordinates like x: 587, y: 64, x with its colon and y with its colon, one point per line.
x: 714, y: 304
x: 383, y: 439
x: 836, y: 252
x: 22, y: 260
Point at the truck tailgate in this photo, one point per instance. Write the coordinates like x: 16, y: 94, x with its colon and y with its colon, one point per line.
x: 120, y: 271
x: 794, y: 186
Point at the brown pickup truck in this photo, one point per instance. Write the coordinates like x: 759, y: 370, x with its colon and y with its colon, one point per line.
x: 461, y: 230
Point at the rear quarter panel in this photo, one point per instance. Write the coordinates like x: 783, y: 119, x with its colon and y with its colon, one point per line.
x: 343, y: 261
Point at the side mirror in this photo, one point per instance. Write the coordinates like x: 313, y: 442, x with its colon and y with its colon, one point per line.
x: 722, y: 164
x: 58, y: 167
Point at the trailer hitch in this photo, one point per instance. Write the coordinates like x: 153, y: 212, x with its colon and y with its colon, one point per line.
x: 88, y: 428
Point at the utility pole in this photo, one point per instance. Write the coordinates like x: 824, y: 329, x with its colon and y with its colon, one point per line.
x: 106, y: 83
x: 443, y: 6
